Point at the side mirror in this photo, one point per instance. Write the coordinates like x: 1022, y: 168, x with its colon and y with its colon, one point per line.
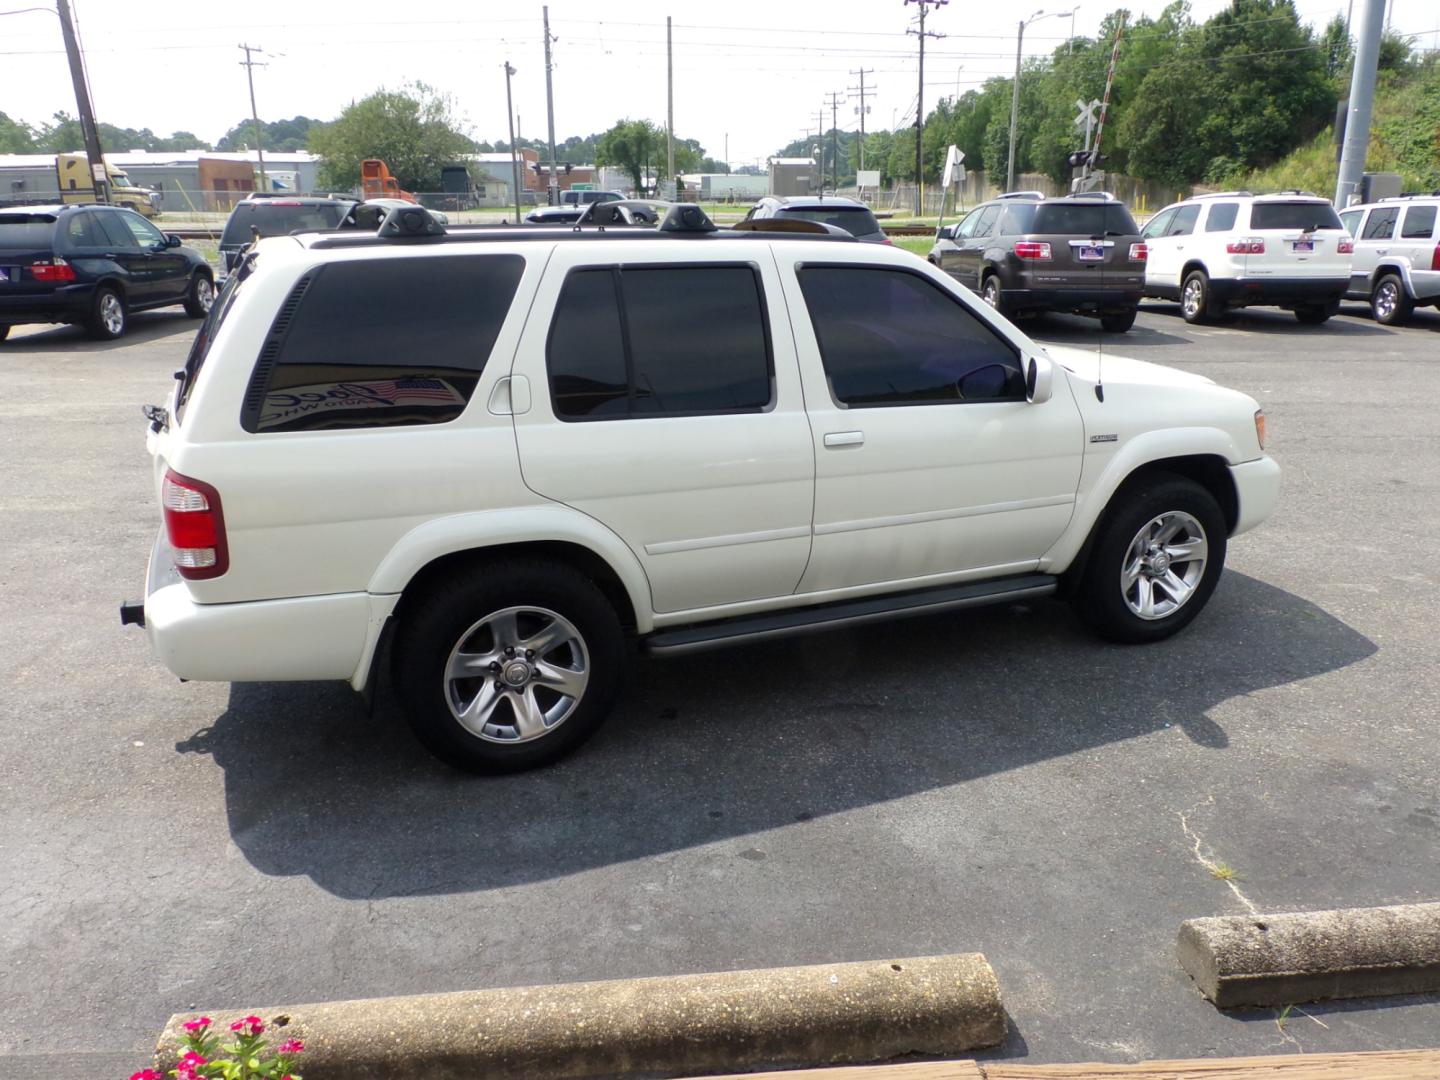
x: 171, y: 240
x: 1039, y: 379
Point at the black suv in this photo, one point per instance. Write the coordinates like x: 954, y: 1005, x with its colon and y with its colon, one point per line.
x: 267, y: 216
x: 854, y: 217
x: 93, y: 265
x: 1024, y: 252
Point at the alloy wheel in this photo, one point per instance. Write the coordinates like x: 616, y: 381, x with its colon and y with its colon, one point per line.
x: 1163, y: 565
x: 1191, y: 298
x: 112, y: 314
x: 1387, y: 298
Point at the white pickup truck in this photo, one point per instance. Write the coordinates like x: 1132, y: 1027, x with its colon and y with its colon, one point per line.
x: 495, y: 454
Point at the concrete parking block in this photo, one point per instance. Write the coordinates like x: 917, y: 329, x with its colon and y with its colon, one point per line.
x: 1308, y: 956
x: 831, y: 1013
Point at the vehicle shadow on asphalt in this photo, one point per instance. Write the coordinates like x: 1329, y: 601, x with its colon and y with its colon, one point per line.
x: 724, y: 744
x: 144, y: 326
x: 1264, y: 320
x: 1076, y: 331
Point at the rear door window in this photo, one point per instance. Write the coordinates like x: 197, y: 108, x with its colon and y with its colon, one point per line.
x: 115, y: 233
x: 1380, y: 225
x: 381, y: 342
x: 891, y: 337
x: 1304, y: 216
x: 1221, y: 217
x: 985, y: 224
x: 146, y: 235
x: 1419, y: 223
x: 647, y: 341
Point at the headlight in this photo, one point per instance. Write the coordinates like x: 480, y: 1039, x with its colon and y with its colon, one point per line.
x: 1260, y: 427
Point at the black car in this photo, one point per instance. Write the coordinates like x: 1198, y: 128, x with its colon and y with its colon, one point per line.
x: 93, y: 265
x: 854, y: 217
x: 1024, y: 252
x: 555, y: 215
x: 265, y: 216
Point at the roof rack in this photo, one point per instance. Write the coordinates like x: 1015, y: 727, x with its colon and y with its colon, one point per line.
x: 1294, y: 191
x: 1103, y: 196
x: 1021, y: 195
x: 1406, y: 195
x: 1223, y: 195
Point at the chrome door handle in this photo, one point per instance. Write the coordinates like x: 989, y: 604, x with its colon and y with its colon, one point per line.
x: 845, y: 438
x: 1382, y: 251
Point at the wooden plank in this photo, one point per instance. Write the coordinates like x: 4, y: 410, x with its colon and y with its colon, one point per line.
x: 918, y: 1070
x: 1383, y: 1065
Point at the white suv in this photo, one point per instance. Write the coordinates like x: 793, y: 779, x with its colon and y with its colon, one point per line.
x: 1397, y: 255
x: 508, y: 451
x: 1234, y: 249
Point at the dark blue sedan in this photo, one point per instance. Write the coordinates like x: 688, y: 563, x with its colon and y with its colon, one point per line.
x: 93, y: 266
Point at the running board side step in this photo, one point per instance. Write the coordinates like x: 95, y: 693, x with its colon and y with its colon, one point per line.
x: 748, y: 628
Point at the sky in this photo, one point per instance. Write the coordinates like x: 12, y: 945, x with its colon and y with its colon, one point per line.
x: 750, y: 76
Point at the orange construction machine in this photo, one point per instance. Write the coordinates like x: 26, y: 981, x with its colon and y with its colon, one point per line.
x: 377, y: 183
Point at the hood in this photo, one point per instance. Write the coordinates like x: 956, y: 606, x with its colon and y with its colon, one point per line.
x: 1086, y: 363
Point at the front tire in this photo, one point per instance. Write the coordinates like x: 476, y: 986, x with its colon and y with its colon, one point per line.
x: 1118, y: 323
x: 1390, y: 304
x: 1156, y: 560
x: 509, y: 666
x: 108, y: 318
x: 200, y: 297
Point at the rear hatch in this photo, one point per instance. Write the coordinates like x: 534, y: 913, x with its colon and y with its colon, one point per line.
x: 1294, y: 238
x: 26, y: 238
x: 858, y: 221
x: 276, y: 217
x: 1093, y: 245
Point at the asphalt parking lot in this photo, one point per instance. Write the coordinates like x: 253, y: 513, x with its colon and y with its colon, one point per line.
x: 998, y: 781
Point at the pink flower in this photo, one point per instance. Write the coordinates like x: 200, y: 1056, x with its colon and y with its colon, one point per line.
x: 197, y: 1026
x: 184, y: 1071
x: 147, y: 1074
x: 251, y: 1026
x: 294, y: 1046
x: 191, y: 1061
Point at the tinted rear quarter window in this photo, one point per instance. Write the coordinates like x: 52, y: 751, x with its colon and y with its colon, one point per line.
x: 664, y: 340
x: 29, y: 231
x: 1017, y: 219
x: 382, y: 342
x: 889, y: 337
x: 1083, y: 220
x: 1305, y: 216
x: 1221, y: 217
x: 1419, y: 223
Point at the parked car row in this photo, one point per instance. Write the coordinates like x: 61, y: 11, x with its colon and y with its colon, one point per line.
x: 1213, y: 253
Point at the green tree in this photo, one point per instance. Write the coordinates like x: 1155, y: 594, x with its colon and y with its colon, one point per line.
x: 637, y: 146
x: 281, y: 136
x: 16, y: 136
x: 413, y: 130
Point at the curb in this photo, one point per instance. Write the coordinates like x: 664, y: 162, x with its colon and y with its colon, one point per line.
x: 1293, y: 957
x: 830, y: 1013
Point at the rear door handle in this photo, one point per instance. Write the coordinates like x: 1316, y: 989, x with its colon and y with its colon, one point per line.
x: 845, y: 438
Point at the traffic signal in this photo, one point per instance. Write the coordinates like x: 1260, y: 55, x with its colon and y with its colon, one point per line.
x: 1080, y: 158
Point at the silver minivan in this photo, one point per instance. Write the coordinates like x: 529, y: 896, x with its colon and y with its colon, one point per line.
x: 1396, y: 264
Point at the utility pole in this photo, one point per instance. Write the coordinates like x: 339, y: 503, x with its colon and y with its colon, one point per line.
x: 862, y: 109
x: 834, y: 141
x: 1015, y: 90
x: 514, y: 150
x: 820, y: 143
x: 553, y: 191
x: 669, y: 105
x: 727, y: 151
x: 99, y: 179
x: 250, y: 66
x: 1362, y: 100
x: 920, y: 103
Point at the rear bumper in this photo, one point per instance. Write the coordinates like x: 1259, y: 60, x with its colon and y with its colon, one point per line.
x: 1277, y: 292
x: 1257, y: 485
x: 1078, y: 299
x: 69, y: 303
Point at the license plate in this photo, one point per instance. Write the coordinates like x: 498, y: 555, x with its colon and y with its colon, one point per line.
x: 1091, y: 253
x: 1302, y: 247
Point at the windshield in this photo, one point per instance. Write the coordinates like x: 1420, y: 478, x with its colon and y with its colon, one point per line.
x: 26, y: 230
x: 1084, y: 219
x: 856, y: 220
x: 1294, y: 215
x: 280, y: 219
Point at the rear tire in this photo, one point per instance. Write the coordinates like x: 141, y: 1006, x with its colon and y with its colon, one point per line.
x: 990, y: 292
x: 521, y: 708
x: 4, y: 331
x: 200, y: 297
x: 108, y: 318
x: 1196, y: 305
x: 1315, y: 314
x: 1118, y: 324
x: 1156, y: 560
x: 1390, y: 304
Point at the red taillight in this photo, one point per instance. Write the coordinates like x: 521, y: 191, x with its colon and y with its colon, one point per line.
x: 1247, y: 245
x: 52, y: 270
x: 1139, y: 252
x: 194, y: 526
x: 1435, y: 258
x: 887, y: 240
x: 1345, y: 246
x: 1029, y: 249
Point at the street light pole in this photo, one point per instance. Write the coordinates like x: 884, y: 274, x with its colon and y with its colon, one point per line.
x: 1015, y: 92
x: 553, y: 190
x: 514, y: 150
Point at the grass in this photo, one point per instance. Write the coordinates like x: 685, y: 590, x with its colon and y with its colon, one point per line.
x: 918, y: 245
x: 1224, y: 872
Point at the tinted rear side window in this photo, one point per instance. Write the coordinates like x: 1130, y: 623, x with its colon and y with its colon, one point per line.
x: 1018, y: 218
x: 382, y: 342
x: 1084, y: 220
x: 30, y: 231
x: 1419, y: 223
x: 1304, y: 216
x: 856, y: 220
x: 1221, y: 217
x: 889, y: 337
x: 659, y: 341
x: 279, y: 219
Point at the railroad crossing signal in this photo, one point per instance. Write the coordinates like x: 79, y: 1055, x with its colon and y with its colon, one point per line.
x: 1086, y: 119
